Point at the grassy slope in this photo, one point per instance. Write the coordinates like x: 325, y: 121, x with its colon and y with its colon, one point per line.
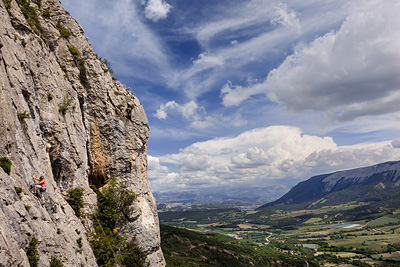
x: 182, y: 247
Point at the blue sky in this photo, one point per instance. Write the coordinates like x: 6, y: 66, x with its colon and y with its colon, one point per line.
x: 254, y: 93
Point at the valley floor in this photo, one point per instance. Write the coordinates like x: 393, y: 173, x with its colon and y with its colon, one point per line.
x: 328, y: 236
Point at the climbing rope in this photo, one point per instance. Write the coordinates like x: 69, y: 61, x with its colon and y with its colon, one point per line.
x: 9, y: 252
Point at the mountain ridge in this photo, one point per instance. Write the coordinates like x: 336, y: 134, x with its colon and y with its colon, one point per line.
x: 363, y: 183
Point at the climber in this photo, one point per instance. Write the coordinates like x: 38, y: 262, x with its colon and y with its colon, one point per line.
x: 1, y: 55
x: 40, y: 185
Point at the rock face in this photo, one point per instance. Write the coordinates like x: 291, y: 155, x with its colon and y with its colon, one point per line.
x: 84, y: 127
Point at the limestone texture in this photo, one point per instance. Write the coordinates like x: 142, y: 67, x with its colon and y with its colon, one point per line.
x: 64, y: 116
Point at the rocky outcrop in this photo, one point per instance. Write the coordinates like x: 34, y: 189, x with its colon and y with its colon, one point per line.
x: 84, y: 127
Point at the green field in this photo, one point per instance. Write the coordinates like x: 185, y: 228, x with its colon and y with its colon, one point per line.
x: 384, y: 220
x: 285, y: 231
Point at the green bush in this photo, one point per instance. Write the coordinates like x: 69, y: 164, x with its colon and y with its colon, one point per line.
x: 32, y: 253
x: 75, y: 200
x: 5, y: 163
x: 18, y: 190
x: 7, y: 4
x: 30, y: 15
x: 55, y: 262
x: 79, y: 61
x: 66, y: 104
x: 132, y: 255
x: 79, y: 242
x: 75, y: 54
x: 23, y: 42
x: 46, y: 14
x: 63, y: 31
x: 113, y: 201
x: 24, y: 115
x: 82, y: 75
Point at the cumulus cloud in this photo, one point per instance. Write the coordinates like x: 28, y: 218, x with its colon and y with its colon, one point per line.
x: 262, y: 155
x: 189, y: 111
x: 396, y: 143
x: 156, y: 9
x: 348, y: 73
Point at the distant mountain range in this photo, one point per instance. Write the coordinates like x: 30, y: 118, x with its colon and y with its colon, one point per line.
x: 224, y: 197
x: 376, y: 184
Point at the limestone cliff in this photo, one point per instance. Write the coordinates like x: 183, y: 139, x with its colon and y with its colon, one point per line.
x: 63, y: 116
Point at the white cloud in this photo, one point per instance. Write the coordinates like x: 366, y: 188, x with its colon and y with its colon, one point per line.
x: 285, y: 16
x: 254, y: 39
x: 346, y: 157
x: 156, y: 9
x: 261, y: 155
x: 155, y: 167
x: 234, y: 95
x: 161, y: 177
x: 188, y: 111
x: 122, y: 37
x: 350, y: 73
x: 396, y: 143
x: 206, y: 61
x: 201, y: 124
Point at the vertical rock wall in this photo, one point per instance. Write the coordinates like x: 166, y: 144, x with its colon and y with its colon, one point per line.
x: 84, y: 127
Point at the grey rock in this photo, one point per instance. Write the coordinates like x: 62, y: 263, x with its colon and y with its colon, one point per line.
x: 102, y: 134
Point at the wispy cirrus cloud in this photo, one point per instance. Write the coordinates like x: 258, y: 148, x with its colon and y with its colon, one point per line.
x: 123, y: 37
x: 285, y: 16
x: 242, y: 37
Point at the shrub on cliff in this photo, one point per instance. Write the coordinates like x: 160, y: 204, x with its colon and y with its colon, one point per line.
x: 24, y: 115
x: 5, y: 163
x: 64, y: 32
x: 7, y: 4
x: 75, y: 200
x: 66, y: 104
x: 55, y: 262
x: 32, y: 253
x: 30, y: 15
x: 108, y: 245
